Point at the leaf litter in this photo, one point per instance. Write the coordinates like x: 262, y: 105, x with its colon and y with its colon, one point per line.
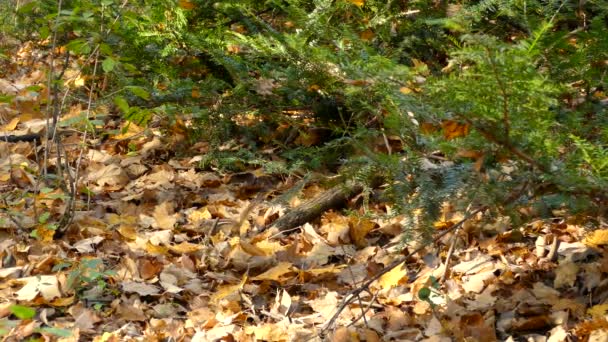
x: 158, y: 249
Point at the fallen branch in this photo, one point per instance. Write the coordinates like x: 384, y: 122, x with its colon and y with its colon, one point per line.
x: 311, y: 209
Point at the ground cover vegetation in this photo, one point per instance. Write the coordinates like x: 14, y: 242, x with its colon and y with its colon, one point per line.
x: 344, y: 170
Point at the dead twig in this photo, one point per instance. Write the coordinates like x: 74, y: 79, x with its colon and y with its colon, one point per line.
x: 449, y: 256
x: 451, y: 251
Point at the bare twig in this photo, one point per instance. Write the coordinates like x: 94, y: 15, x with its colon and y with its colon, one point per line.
x: 449, y: 256
x: 553, y: 250
x: 451, y: 250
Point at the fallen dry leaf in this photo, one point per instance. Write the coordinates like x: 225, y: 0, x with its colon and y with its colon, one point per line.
x: 276, y: 273
x: 45, y: 285
x: 396, y: 276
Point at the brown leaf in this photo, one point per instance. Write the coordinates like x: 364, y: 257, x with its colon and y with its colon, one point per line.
x: 343, y: 334
x: 142, y: 289
x: 534, y: 323
x: 186, y: 4
x: 565, y: 274
x: 428, y: 128
x: 131, y: 313
x: 474, y: 325
x: 359, y: 229
x: 149, y: 268
x: 453, y: 129
x: 367, y: 35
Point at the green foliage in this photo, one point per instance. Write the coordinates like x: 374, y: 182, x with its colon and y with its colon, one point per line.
x: 86, y: 274
x: 22, y: 312
x: 26, y: 313
x: 526, y: 80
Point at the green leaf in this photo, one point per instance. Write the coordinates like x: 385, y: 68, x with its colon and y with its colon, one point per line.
x: 108, y: 64
x: 424, y: 293
x: 139, y: 91
x: 27, y: 8
x: 44, y: 217
x: 6, y: 98
x: 78, y: 46
x: 35, y: 88
x: 57, y: 331
x: 22, y: 312
x: 122, y: 104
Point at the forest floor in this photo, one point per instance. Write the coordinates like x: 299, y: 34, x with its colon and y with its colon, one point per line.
x: 157, y: 249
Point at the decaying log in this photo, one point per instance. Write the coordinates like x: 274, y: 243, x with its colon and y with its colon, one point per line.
x: 313, y: 208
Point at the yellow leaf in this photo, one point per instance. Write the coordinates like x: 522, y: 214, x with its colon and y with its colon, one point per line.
x: 45, y: 234
x: 66, y: 301
x: 275, y: 273
x: 358, y: 3
x: 598, y: 311
x: 128, y: 231
x: 329, y: 269
x: 394, y: 277
x: 185, y: 248
x: 128, y: 130
x: 336, y: 226
x: 420, y: 66
x: 79, y: 81
x: 597, y: 238
x: 227, y: 290
x: 200, y: 215
x: 359, y: 229
x: 251, y: 249
x: 11, y: 125
x: 442, y: 225
x: 268, y: 332
x: 233, y: 48
x: 270, y: 247
x: 405, y: 90
x: 156, y: 250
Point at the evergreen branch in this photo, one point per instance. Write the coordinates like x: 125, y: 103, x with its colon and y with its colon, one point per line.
x: 508, y: 146
x: 503, y: 90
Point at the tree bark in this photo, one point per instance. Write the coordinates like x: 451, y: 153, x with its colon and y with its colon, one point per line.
x: 313, y: 208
